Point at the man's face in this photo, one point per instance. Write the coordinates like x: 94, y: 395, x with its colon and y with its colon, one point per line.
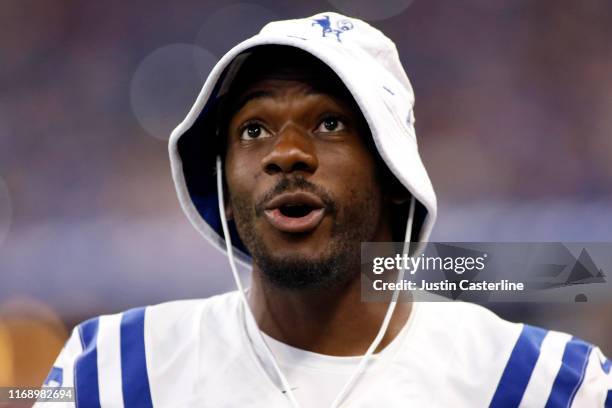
x: 303, y: 186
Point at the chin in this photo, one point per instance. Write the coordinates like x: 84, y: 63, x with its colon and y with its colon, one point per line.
x: 310, y: 246
x: 305, y: 268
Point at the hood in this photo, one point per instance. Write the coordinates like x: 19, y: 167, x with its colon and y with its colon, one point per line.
x: 368, y: 64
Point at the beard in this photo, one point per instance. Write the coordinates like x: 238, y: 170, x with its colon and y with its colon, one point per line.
x: 338, y: 263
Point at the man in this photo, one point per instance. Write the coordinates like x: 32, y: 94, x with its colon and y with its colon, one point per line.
x: 300, y: 146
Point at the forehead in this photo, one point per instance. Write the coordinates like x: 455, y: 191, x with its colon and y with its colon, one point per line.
x: 286, y: 91
x: 275, y: 71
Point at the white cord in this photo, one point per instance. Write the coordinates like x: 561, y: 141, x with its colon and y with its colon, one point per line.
x: 385, y: 324
x: 381, y: 332
x: 230, y: 254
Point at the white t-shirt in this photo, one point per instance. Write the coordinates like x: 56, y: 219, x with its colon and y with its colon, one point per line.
x: 198, y: 353
x: 317, y: 379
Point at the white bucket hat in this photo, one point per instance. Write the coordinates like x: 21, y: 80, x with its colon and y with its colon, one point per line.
x: 368, y: 64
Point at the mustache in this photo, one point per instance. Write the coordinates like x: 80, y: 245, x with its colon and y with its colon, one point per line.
x: 296, y: 183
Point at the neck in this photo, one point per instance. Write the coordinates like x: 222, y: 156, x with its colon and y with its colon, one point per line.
x: 330, y: 321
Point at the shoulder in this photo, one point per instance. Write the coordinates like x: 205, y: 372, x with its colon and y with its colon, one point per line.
x: 518, y: 363
x: 159, y: 328
x: 175, y: 317
x: 465, y: 331
x: 113, y: 358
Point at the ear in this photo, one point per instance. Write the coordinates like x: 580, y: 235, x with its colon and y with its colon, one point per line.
x: 400, y: 200
x: 395, y: 191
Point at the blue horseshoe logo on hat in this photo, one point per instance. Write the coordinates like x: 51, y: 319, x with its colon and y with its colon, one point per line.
x: 326, y: 26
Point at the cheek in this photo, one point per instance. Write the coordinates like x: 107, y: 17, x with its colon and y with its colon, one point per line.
x: 358, y: 172
x: 367, y: 191
x: 357, y: 191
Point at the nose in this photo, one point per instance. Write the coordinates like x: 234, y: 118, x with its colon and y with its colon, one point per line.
x: 294, y: 151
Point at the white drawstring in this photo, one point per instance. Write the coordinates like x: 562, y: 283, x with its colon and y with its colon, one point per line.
x: 385, y: 324
x: 230, y: 253
x: 381, y: 332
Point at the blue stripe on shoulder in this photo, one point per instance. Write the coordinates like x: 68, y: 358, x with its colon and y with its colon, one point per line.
x: 608, y: 403
x: 519, y: 368
x: 606, y: 365
x: 55, y: 377
x: 134, y: 376
x: 571, y: 374
x: 86, y: 368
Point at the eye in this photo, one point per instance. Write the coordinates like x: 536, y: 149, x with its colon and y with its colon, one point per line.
x: 330, y: 124
x: 252, y: 131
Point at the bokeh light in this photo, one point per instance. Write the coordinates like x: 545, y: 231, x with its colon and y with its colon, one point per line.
x: 230, y: 25
x: 371, y: 10
x: 165, y: 85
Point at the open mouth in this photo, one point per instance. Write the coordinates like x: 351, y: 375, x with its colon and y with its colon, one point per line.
x: 295, y: 212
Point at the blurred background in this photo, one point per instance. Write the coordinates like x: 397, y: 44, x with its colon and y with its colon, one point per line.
x: 514, y: 118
